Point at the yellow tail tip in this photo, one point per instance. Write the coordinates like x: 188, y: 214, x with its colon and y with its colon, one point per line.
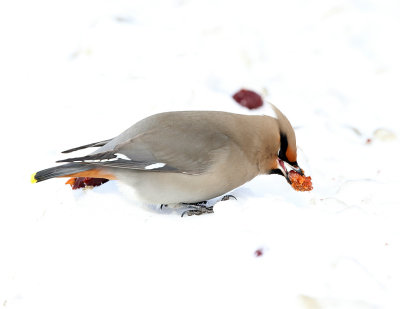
x: 33, y: 179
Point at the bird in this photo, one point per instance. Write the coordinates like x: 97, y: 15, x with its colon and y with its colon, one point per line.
x: 188, y: 157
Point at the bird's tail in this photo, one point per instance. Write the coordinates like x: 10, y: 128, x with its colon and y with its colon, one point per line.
x: 60, y: 171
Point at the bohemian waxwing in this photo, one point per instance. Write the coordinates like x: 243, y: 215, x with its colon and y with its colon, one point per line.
x: 188, y: 156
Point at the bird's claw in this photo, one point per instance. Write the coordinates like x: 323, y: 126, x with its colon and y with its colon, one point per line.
x: 198, y: 210
x: 228, y: 197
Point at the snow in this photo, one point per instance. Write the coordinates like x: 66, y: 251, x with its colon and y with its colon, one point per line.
x: 74, y: 72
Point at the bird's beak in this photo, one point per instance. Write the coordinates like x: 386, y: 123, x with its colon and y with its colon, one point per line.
x: 286, y: 168
x: 297, y: 169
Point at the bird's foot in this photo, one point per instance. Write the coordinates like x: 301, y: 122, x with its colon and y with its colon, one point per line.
x: 193, y: 205
x: 197, y: 209
x: 201, y: 208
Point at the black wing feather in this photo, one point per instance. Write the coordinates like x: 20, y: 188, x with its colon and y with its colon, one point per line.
x: 96, y: 144
x: 97, y: 156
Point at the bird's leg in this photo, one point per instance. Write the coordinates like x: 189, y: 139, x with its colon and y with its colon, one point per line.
x: 203, y: 203
x: 192, y: 205
x: 201, y: 208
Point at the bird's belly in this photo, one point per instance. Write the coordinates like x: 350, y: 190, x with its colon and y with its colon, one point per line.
x: 169, y: 188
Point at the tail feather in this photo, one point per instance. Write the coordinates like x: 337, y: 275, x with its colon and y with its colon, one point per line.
x: 59, y: 171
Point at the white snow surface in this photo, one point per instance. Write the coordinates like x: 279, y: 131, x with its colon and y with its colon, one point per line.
x: 75, y: 72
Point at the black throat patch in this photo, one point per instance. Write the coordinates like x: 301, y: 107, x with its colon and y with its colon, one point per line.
x: 283, y: 149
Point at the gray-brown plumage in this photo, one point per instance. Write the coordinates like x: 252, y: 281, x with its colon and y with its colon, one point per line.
x: 189, y: 156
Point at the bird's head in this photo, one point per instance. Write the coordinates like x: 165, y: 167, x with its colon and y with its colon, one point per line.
x: 286, y: 159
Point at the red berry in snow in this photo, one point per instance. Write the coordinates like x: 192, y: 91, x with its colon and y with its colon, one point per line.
x: 248, y: 98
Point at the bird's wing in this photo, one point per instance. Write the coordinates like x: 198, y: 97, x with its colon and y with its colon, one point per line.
x: 182, y: 148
